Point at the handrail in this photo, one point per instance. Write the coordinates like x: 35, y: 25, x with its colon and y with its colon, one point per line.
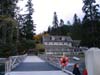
x: 53, y: 61
x: 13, y: 62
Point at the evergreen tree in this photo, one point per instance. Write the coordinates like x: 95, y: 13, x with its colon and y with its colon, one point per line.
x: 76, y: 20
x: 90, y: 10
x: 55, y: 28
x: 49, y: 30
x: 29, y: 26
x: 7, y: 7
x: 90, y: 24
x: 76, y: 28
x: 8, y: 28
x: 68, y: 23
x: 55, y: 20
x: 61, y: 22
x: 7, y: 16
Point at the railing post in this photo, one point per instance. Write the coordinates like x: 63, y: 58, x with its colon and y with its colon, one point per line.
x: 2, y: 66
x: 7, y: 68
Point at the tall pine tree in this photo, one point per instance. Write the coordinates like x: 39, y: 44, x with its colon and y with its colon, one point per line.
x: 7, y: 7
x: 55, y: 20
x: 76, y: 28
x: 61, y: 22
x: 90, y: 24
x: 90, y: 9
x: 76, y: 20
x: 29, y: 26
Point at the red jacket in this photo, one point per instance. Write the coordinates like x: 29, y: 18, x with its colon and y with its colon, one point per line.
x: 85, y: 72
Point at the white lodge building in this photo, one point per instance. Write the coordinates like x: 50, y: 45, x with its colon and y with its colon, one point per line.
x: 58, y: 45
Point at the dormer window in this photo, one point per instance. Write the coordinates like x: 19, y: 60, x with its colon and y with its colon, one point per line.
x: 52, y: 38
x: 63, y: 38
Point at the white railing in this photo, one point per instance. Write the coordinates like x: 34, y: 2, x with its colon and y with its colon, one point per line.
x: 53, y: 60
x: 13, y: 62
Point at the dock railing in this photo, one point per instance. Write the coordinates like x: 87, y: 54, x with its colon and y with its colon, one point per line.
x: 11, y: 62
x: 53, y: 60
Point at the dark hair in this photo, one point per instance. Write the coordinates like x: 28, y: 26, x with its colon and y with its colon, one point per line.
x: 75, y: 65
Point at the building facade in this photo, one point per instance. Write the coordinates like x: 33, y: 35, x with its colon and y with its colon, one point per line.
x: 57, y: 45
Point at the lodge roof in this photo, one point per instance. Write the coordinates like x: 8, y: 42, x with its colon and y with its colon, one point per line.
x: 51, y: 38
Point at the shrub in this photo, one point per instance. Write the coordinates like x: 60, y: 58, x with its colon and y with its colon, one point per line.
x: 25, y: 45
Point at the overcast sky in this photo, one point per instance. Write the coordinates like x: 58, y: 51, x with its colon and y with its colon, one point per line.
x: 44, y: 9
